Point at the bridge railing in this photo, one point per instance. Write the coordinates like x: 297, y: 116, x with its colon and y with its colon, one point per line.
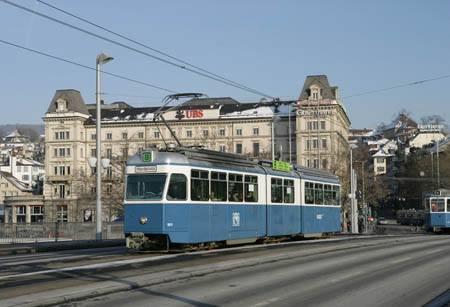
x: 53, y: 232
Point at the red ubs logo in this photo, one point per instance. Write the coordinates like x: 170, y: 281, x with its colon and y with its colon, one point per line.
x: 194, y: 113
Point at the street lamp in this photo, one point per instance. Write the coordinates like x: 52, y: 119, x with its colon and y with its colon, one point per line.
x: 354, y: 204
x: 101, y: 59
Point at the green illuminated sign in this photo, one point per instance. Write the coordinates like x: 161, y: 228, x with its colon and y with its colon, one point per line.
x: 146, y: 156
x: 281, y: 166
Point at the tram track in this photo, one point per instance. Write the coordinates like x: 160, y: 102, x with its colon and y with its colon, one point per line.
x: 144, y: 270
x: 28, y: 265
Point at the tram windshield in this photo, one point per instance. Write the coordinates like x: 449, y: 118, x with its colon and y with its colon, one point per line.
x: 148, y: 186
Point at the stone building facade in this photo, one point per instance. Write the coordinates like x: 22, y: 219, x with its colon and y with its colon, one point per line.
x: 322, y: 126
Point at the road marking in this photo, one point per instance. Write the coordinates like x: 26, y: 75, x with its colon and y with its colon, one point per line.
x: 401, y: 260
x: 93, y: 266
x: 348, y: 276
x: 435, y: 251
x: 267, y: 302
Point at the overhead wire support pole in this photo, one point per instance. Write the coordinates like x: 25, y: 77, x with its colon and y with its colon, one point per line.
x: 290, y: 138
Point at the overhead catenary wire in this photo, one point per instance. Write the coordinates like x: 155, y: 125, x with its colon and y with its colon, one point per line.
x: 135, y: 50
x: 142, y: 45
x: 85, y: 66
x: 397, y: 86
x: 129, y: 95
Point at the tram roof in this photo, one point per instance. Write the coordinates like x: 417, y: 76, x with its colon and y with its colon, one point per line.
x: 216, y: 159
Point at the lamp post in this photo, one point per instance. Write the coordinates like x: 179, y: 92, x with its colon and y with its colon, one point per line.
x: 354, y: 204
x: 101, y: 59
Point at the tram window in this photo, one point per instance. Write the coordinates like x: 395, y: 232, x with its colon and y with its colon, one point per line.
x: 199, y: 185
x: 327, y: 194
x: 336, y: 196
x: 277, y: 190
x: 218, y: 186
x: 148, y: 187
x: 433, y: 205
x: 427, y: 204
x: 448, y: 205
x: 288, y: 191
x: 235, y: 187
x: 309, y: 193
x: 251, y: 188
x: 441, y: 205
x: 177, y: 187
x: 318, y: 193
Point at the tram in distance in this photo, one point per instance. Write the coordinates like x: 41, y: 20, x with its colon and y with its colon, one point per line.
x: 411, y: 217
x: 188, y: 196
x: 437, y: 211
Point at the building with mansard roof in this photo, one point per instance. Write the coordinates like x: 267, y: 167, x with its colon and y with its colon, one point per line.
x: 322, y: 126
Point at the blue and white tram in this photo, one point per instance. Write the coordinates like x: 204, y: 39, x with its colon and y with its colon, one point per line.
x: 190, y: 196
x: 437, y: 210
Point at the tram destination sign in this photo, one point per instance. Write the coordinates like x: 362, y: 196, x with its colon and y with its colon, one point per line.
x: 281, y: 166
x: 146, y: 169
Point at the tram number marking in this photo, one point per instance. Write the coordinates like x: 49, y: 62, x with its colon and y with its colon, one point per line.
x: 319, y: 216
x: 236, y: 219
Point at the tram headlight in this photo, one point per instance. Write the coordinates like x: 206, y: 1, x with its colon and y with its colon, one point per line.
x: 143, y: 220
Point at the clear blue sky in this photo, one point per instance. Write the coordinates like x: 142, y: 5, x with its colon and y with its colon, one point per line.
x: 270, y: 46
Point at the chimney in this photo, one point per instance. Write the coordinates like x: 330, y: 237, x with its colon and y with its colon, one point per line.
x: 12, y: 164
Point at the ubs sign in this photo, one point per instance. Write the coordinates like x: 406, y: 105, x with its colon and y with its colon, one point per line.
x: 189, y: 114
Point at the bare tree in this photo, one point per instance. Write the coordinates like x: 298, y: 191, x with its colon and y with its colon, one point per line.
x: 31, y: 133
x: 435, y: 120
x: 432, y: 120
x: 402, y: 111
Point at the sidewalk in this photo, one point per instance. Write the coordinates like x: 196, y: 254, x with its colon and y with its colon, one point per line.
x: 25, y: 248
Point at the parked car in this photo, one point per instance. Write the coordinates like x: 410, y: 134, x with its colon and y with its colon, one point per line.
x: 382, y: 221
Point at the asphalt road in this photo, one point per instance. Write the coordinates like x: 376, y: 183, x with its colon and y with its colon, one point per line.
x: 386, y: 271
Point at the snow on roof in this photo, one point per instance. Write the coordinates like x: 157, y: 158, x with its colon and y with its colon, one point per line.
x: 382, y: 153
x: 25, y: 161
x: 255, y: 112
x: 378, y: 142
x: 15, y: 182
x: 14, y: 134
x: 401, y: 121
x: 262, y: 111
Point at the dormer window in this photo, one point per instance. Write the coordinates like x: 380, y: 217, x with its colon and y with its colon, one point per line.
x: 61, y: 105
x: 315, y: 93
